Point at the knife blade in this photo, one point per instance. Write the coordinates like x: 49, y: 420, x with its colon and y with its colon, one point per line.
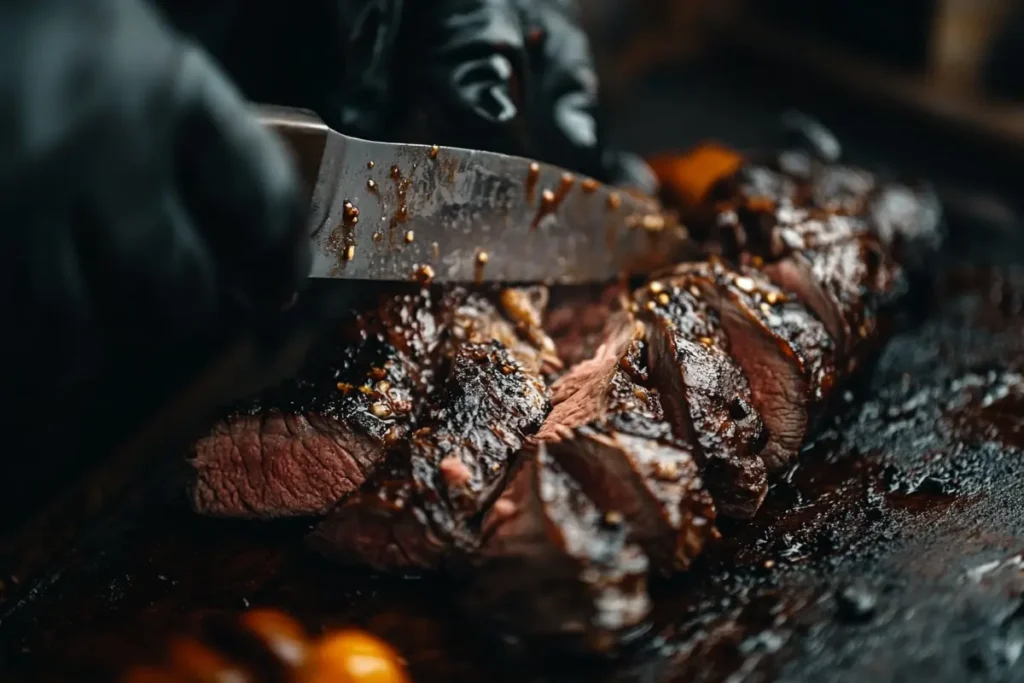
x: 387, y: 211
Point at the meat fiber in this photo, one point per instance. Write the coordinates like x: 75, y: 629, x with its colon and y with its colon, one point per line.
x: 705, y: 395
x: 609, y: 431
x: 577, y: 318
x: 785, y: 353
x: 300, y: 447
x: 425, y: 503
x: 553, y: 566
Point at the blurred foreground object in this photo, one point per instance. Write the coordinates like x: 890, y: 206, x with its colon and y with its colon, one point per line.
x: 267, y: 645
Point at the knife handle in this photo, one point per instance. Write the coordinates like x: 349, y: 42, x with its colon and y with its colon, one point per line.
x: 303, y: 132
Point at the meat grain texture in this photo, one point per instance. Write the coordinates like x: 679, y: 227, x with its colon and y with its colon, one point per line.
x: 553, y: 473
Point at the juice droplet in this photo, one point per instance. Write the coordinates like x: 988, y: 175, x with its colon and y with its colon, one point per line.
x: 550, y: 201
x: 532, y: 176
x: 350, y: 214
x: 482, y: 257
x: 423, y: 274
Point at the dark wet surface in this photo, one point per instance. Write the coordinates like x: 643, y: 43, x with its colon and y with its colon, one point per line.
x: 892, y: 550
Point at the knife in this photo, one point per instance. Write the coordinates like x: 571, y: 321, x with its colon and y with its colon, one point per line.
x: 386, y: 211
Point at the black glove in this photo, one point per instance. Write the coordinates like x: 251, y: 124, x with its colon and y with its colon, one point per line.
x: 516, y: 76
x: 509, y: 75
x: 335, y: 57
x: 136, y: 195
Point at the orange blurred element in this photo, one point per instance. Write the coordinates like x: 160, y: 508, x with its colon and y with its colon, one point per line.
x: 281, y: 634
x: 193, y: 661
x: 354, y: 657
x: 689, y: 177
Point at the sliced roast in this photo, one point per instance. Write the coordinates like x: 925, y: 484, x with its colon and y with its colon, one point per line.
x: 705, y: 395
x: 608, y: 431
x: 553, y: 566
x: 784, y: 351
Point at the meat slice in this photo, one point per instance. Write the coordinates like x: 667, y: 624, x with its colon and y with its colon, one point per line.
x: 784, y: 351
x: 426, y: 503
x: 845, y: 284
x: 555, y: 568
x: 488, y: 405
x: 577, y: 318
x: 609, y: 432
x: 706, y: 397
x: 657, y: 487
x: 607, y: 387
x: 300, y: 447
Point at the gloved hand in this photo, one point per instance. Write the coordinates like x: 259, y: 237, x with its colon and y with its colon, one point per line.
x: 136, y: 195
x: 515, y: 76
x: 509, y: 75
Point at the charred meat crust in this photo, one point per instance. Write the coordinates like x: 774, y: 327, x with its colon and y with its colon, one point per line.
x: 847, y: 285
x: 425, y: 505
x: 785, y: 353
x: 554, y: 567
x: 705, y: 395
x: 657, y: 487
x: 608, y: 430
x: 905, y: 217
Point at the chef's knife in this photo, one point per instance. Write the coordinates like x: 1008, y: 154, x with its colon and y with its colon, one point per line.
x: 385, y: 211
